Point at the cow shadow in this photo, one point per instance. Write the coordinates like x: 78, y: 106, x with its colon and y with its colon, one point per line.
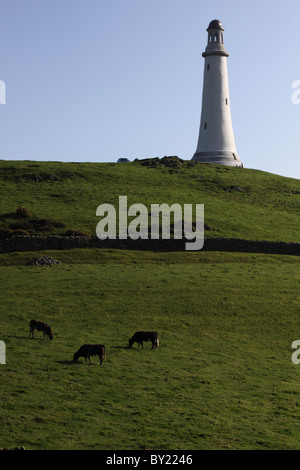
x: 68, y: 363
x: 77, y: 363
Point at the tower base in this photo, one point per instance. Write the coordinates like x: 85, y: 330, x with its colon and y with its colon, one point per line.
x: 220, y: 157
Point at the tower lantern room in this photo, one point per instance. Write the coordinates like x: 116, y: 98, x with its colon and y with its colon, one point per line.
x: 215, y: 35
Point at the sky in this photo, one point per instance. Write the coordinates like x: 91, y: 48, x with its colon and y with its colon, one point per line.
x: 97, y: 80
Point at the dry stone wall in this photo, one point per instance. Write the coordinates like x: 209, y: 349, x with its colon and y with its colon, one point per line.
x: 39, y: 243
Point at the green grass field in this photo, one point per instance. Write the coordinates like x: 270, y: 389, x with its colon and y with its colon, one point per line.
x: 222, y: 377
x: 239, y: 203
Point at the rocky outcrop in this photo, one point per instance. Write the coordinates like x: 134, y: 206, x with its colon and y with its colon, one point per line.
x: 44, y: 261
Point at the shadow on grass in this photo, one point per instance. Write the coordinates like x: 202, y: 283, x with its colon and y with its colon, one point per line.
x: 78, y: 363
x: 68, y: 363
x: 127, y: 348
x: 9, y: 215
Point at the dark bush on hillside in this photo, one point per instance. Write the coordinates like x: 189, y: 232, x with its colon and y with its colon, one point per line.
x: 153, y: 162
x: 23, y: 212
x: 169, y: 162
x: 172, y: 162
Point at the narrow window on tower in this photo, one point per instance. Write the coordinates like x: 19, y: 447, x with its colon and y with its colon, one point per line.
x: 207, y: 67
x: 226, y: 100
x: 205, y: 125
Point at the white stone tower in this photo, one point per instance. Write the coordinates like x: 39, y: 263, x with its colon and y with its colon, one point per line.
x: 216, y: 140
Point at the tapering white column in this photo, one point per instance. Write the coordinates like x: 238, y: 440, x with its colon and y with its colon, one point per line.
x: 216, y: 142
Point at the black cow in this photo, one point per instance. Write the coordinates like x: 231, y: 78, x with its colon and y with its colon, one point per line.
x: 40, y: 326
x: 141, y: 336
x: 88, y: 350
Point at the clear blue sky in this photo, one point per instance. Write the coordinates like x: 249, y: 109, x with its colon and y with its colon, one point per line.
x: 96, y: 80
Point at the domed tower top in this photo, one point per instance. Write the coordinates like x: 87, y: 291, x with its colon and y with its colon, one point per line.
x: 215, y: 41
x: 215, y: 24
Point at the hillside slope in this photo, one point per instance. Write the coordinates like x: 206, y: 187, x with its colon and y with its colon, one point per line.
x: 222, y: 377
x: 239, y: 203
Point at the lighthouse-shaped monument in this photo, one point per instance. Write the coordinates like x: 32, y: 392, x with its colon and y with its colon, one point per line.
x: 216, y: 140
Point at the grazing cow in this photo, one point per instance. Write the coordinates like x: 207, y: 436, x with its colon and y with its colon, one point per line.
x: 40, y: 326
x: 141, y: 336
x: 88, y: 350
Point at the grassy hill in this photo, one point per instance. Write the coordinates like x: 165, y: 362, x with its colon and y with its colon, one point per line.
x: 239, y: 203
x: 222, y: 377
